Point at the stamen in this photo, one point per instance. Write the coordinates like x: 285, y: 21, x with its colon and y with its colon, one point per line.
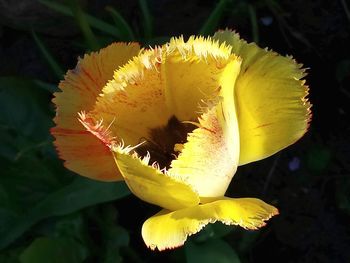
x: 164, y: 144
x: 198, y: 125
x: 97, y: 129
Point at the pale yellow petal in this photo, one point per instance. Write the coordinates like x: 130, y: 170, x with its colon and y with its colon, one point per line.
x: 209, y: 159
x: 134, y: 99
x: 82, y: 152
x: 270, y: 99
x: 82, y: 85
x: 151, y: 184
x: 172, y: 80
x: 168, y: 229
x: 191, y: 74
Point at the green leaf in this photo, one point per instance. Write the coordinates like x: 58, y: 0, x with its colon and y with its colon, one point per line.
x: 318, y: 158
x: 342, y: 70
x: 27, y: 181
x: 93, y: 21
x: 74, y: 226
x: 46, y: 86
x: 156, y: 41
x: 53, y: 250
x: 213, y: 231
x: 32, y: 177
x: 254, y: 23
x: 123, y: 26
x: 84, y: 25
x: 24, y: 110
x: 114, y: 236
x: 11, y: 255
x: 213, y: 20
x: 342, y: 194
x: 8, y: 149
x: 214, y: 250
x: 51, y: 61
x: 117, y: 237
x: 247, y: 240
x: 71, y: 226
x: 147, y: 20
x: 79, y: 194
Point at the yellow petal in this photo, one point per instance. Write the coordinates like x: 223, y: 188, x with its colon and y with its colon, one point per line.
x: 170, y: 229
x: 191, y: 74
x: 134, y: 98
x: 172, y: 80
x: 272, y: 108
x: 83, y: 152
x: 151, y: 184
x: 209, y: 159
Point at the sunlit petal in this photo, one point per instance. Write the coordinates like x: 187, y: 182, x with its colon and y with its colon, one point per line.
x: 83, y: 152
x: 170, y: 229
x: 271, y: 106
x: 152, y: 185
x: 209, y: 159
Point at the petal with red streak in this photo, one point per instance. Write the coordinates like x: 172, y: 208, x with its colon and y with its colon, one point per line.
x: 84, y: 153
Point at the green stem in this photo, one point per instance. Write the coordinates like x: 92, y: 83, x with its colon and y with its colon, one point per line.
x: 254, y: 23
x: 56, y: 68
x: 84, y: 25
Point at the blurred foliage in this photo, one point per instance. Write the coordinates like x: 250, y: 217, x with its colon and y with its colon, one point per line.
x: 48, y: 214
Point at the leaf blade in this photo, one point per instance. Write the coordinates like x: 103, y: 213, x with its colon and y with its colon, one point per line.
x: 77, y: 195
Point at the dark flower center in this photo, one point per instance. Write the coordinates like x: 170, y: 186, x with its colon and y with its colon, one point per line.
x: 161, y: 141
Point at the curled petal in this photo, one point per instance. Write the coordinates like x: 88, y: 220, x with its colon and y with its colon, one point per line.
x: 209, y: 159
x: 151, y: 184
x: 172, y: 80
x: 134, y: 98
x: 170, y: 229
x: 272, y: 108
x: 82, y: 151
x: 191, y: 74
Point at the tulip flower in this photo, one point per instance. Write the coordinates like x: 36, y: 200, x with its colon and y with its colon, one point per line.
x: 175, y: 121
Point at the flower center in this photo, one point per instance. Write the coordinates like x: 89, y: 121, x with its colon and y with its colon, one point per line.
x: 164, y: 143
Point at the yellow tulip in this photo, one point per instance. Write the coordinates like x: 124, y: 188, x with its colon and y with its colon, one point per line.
x: 174, y: 122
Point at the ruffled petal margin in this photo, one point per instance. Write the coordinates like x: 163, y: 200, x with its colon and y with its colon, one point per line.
x: 134, y: 98
x: 82, y: 152
x: 175, y: 79
x: 151, y: 184
x: 272, y: 108
x: 210, y: 156
x: 167, y: 229
x: 191, y: 74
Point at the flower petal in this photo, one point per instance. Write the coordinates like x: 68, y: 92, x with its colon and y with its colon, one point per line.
x: 134, y: 98
x: 191, y: 74
x: 171, y: 229
x: 209, y: 159
x: 151, y: 184
x: 84, y: 153
x: 272, y: 108
x: 160, y: 83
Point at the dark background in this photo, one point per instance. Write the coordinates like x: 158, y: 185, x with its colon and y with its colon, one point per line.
x: 48, y: 214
